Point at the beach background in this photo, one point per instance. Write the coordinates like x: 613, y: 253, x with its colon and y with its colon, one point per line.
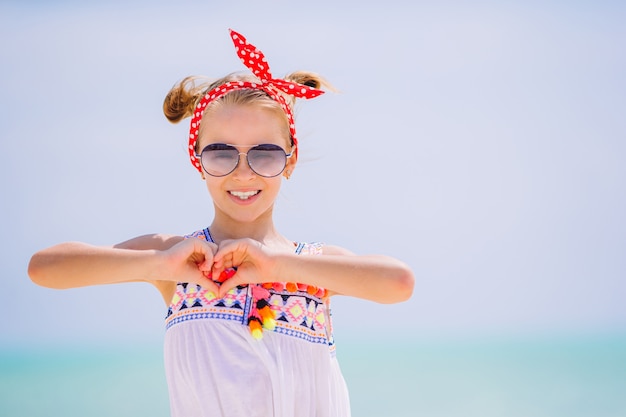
x: 481, y: 142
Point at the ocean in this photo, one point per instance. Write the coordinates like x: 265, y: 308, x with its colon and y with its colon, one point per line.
x: 533, y: 377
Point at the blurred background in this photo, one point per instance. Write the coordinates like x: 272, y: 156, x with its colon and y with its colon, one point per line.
x: 483, y: 143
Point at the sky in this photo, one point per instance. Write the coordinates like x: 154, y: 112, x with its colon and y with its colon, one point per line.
x: 482, y: 143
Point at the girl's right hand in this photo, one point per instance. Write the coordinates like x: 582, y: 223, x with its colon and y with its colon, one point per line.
x: 190, y: 260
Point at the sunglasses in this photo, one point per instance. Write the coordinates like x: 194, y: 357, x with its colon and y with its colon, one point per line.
x: 266, y: 160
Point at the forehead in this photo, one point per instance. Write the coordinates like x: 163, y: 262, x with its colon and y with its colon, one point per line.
x: 244, y: 125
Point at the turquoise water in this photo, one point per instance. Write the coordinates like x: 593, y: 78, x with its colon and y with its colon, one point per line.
x: 575, y: 377
x: 540, y: 378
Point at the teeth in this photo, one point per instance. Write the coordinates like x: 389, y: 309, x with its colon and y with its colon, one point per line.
x: 244, y: 195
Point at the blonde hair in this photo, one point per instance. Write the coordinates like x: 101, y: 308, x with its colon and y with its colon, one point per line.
x: 181, y: 101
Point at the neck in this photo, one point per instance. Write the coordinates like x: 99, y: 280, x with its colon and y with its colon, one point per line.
x: 261, y: 230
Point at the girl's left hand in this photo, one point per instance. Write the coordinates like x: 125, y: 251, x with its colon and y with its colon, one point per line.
x: 252, y: 260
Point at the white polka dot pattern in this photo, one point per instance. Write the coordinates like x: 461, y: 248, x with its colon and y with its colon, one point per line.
x: 256, y: 62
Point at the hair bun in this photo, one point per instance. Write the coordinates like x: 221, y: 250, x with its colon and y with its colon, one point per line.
x: 181, y: 99
x: 309, y: 79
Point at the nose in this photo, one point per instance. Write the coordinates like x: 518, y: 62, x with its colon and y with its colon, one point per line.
x: 243, y: 171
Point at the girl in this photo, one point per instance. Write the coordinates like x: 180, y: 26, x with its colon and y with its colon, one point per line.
x: 248, y: 325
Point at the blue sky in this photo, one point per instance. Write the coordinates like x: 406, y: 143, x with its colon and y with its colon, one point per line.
x: 481, y: 143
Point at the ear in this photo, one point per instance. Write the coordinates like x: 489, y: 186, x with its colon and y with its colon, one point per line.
x: 291, y: 166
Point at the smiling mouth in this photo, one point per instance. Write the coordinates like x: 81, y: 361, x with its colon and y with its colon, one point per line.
x: 244, y: 195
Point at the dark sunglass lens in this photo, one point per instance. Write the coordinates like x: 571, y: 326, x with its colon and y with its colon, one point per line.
x: 267, y: 160
x: 219, y: 159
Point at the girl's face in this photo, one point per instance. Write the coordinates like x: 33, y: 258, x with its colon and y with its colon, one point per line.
x: 242, y: 195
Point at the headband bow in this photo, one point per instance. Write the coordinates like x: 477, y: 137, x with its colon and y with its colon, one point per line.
x: 254, y: 59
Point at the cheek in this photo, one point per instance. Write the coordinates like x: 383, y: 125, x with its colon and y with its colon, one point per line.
x: 211, y: 186
x: 276, y: 185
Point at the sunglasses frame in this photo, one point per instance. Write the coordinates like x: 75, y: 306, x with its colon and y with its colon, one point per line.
x: 235, y: 147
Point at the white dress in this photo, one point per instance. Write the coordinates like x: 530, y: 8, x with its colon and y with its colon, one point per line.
x: 214, y: 366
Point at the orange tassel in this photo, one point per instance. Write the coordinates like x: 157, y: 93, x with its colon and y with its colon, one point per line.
x: 256, y: 329
x: 266, y: 313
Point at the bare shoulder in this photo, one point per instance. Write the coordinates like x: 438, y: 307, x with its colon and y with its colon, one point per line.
x: 335, y: 250
x: 154, y: 241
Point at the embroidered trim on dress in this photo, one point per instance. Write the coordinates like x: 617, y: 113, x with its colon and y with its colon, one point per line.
x: 292, y: 309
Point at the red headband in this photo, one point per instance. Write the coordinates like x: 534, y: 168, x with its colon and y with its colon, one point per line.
x: 255, y: 61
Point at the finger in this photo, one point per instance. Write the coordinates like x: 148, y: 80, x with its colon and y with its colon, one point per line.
x: 211, y: 287
x: 229, y: 284
x: 222, y: 261
x: 213, y: 247
x: 205, y: 281
x: 208, y: 251
x: 224, y: 253
x: 193, y: 274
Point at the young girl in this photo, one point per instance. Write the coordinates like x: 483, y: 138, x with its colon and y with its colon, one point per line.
x: 248, y: 324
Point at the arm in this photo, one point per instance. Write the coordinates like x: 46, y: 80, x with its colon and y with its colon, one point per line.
x: 160, y: 260
x: 373, y: 277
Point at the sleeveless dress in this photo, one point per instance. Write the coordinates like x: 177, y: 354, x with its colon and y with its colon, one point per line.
x: 215, y: 367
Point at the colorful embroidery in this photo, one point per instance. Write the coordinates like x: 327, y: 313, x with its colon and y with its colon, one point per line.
x: 192, y: 302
